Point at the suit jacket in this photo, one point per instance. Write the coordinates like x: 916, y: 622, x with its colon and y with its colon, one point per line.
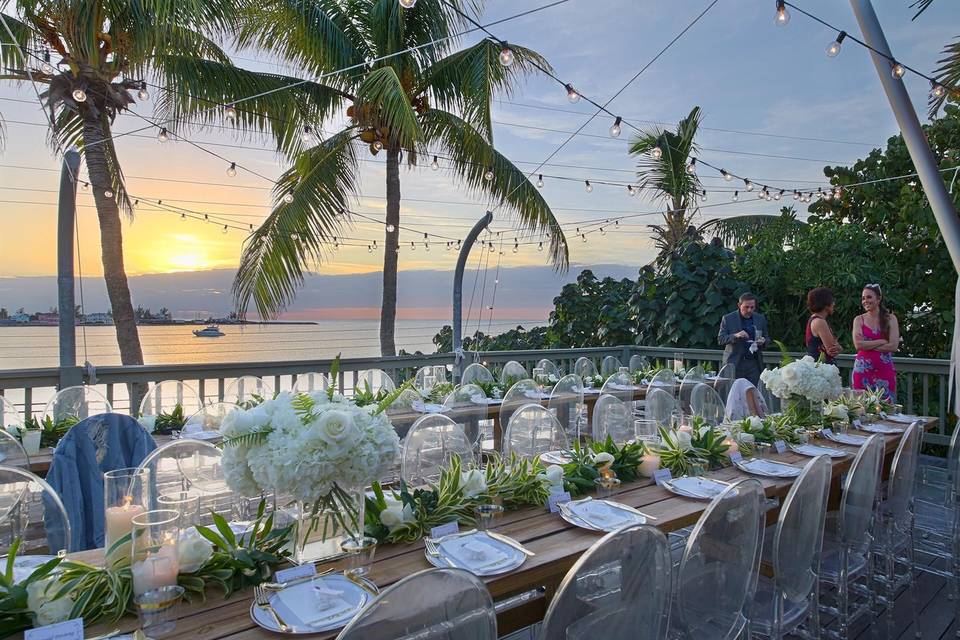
x: 734, y: 349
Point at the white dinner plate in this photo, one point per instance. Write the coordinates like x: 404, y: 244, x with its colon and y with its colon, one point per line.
x: 768, y: 468
x: 478, y: 552
x: 844, y: 438
x: 23, y: 566
x: 537, y: 395
x: 427, y: 407
x: 902, y: 418
x: 479, y: 400
x: 555, y: 457
x: 876, y: 427
x: 696, y: 487
x: 201, y: 435
x: 302, y: 605
x: 814, y: 450
x: 600, y: 515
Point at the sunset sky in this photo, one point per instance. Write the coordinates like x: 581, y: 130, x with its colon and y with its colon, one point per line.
x: 762, y: 88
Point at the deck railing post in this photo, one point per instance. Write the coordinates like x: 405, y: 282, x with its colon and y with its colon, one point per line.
x: 70, y: 374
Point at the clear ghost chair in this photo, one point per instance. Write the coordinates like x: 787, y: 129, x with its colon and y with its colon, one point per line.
x: 584, y: 367
x: 12, y: 453
x: 725, y: 379
x: 533, y: 430
x: 475, y: 373
x: 717, y: 576
x: 619, y: 385
x: 513, y: 371
x: 638, y: 363
x: 694, y: 377
x: 166, y: 396
x: 660, y: 406
x: 609, y: 366
x: 401, y: 411
x: 377, y: 380
x: 707, y: 403
x: 549, y: 367
x: 430, y: 445
x: 461, y: 407
x: 612, y: 417
x: 310, y: 382
x: 76, y: 402
x: 248, y: 389
x: 844, y: 564
x: 893, y: 543
x: 209, y: 418
x: 789, y: 599
x: 744, y: 400
x: 31, y: 510
x: 566, y: 404
x: 428, y: 377
x: 522, y: 392
x: 435, y: 604
x: 665, y: 381
x: 10, y: 418
x: 618, y: 590
x: 191, y: 467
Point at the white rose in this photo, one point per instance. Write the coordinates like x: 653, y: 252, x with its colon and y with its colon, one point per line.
x: 685, y: 440
x: 45, y: 610
x: 747, y: 438
x: 335, y: 429
x: 602, y: 460
x: 474, y: 482
x: 148, y: 422
x: 554, y: 475
x: 395, y: 514
x: 193, y: 550
x: 756, y: 423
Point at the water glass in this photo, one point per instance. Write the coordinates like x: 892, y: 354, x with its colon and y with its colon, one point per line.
x: 697, y: 469
x: 897, y: 409
x: 154, y: 558
x: 124, y: 497
x: 185, y: 503
x: 645, y: 430
x: 606, y: 486
x: 360, y: 551
x: 763, y: 449
x: 624, y: 371
x: 157, y: 610
x: 486, y: 516
x: 803, y: 435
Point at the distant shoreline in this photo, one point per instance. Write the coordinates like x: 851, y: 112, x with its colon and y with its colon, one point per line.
x: 164, y: 323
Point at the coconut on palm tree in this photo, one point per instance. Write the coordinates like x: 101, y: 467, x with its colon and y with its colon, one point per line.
x: 92, y: 55
x: 408, y: 95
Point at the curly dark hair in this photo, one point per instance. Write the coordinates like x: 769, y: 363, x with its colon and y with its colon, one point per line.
x: 819, y: 299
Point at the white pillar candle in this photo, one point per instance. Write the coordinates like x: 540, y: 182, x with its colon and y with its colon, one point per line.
x: 117, y: 523
x: 31, y: 441
x: 157, y: 570
x: 649, y: 464
x: 732, y: 446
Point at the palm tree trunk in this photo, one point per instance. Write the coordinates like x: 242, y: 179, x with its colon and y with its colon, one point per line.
x: 391, y: 244
x: 111, y: 251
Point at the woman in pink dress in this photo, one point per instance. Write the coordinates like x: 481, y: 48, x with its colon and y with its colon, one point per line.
x: 876, y: 334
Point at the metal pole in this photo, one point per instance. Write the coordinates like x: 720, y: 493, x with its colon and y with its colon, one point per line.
x: 926, y: 165
x: 66, y: 221
x: 465, y: 247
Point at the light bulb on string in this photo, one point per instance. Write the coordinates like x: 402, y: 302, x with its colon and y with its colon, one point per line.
x: 656, y: 152
x: 630, y: 190
x: 224, y: 231
x: 897, y: 70
x: 79, y: 95
x: 376, y: 145
x: 516, y: 247
x: 251, y: 227
x: 584, y: 236
x: 572, y: 94
x: 836, y: 192
x: 778, y: 195
x: 937, y: 90
x: 726, y: 176
x: 769, y: 197
x: 45, y: 66
x: 108, y: 193
x: 834, y: 48
x: 374, y: 244
x: 288, y: 198
x: 488, y: 175
x: 540, y: 246
x: 634, y: 192
x: 86, y: 186
x: 458, y: 245
x: 506, y: 54
x: 435, y: 164
x: 426, y: 247
x: 736, y: 196
x: 183, y: 217
x: 587, y: 186
x: 704, y: 195
x: 615, y: 128
x: 369, y: 249
x: 603, y: 231
x: 230, y: 112
x: 827, y: 195
x: 407, y: 4
x: 540, y: 181
x: 748, y: 185
x: 164, y: 135
x: 413, y: 247
x: 391, y: 228
x: 307, y: 135
x: 796, y: 195
x: 783, y: 16
x: 692, y: 166
x: 143, y: 94
x: 232, y: 169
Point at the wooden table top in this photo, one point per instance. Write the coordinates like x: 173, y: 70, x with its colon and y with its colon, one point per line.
x: 557, y: 545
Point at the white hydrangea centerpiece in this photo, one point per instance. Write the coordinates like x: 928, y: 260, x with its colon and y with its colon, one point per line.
x: 804, y: 379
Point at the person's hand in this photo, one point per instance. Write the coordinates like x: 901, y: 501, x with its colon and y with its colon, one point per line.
x: 742, y: 335
x: 761, y: 341
x: 834, y: 351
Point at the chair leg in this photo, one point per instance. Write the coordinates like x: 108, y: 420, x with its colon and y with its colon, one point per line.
x: 843, y: 604
x: 912, y: 586
x: 890, y: 588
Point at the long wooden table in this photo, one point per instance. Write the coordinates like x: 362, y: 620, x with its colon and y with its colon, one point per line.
x: 557, y: 545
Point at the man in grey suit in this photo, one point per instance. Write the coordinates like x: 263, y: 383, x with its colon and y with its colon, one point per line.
x: 743, y: 334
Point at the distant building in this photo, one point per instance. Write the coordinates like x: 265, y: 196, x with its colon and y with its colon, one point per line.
x: 98, y: 318
x: 48, y: 318
x: 20, y: 318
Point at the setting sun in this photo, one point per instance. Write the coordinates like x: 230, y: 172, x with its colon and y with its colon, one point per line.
x: 187, y: 262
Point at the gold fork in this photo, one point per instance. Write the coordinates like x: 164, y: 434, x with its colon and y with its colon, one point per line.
x: 262, y: 600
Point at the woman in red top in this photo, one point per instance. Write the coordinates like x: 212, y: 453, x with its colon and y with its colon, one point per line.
x: 876, y: 335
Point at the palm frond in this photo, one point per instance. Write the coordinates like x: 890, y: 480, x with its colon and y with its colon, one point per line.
x: 382, y: 93
x: 947, y: 74
x: 738, y: 231
x: 471, y: 155
x: 920, y: 6
x: 11, y: 51
x: 198, y: 84
x: 667, y: 176
x: 297, y: 233
x: 467, y: 81
x: 392, y: 29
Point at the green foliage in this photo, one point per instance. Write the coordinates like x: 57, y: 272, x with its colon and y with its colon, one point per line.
x: 708, y: 443
x: 50, y: 431
x: 591, y: 313
x: 167, y: 423
x: 579, y: 474
x: 681, y: 301
x: 512, y: 340
x: 14, y: 614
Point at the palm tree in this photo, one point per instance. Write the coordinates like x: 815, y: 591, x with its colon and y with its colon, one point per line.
x: 102, y: 51
x: 404, y: 104
x: 662, y: 168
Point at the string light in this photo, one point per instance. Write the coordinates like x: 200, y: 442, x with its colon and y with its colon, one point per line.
x: 230, y: 112
x: 603, y: 231
x: 796, y: 195
x: 45, y: 66
x: 704, y: 195
x: 783, y: 16
x: 183, y: 217
x: 898, y: 70
x: 540, y: 181
x: 164, y: 135
x: 630, y: 190
x: 86, y: 186
x: 615, y: 129
x: 413, y: 247
x: 540, y: 246
x: 407, y: 4
x: 692, y: 167
x: 376, y: 146
x: 572, y: 95
x: 79, y: 95
x: 516, y: 246
x: 937, y: 90
x: 307, y: 135
x: 588, y: 186
x: 288, y: 198
x: 634, y: 191
x: 232, y: 169
x: 143, y: 94
x: 736, y: 196
x: 584, y: 236
x: 224, y: 229
x: 834, y: 48
x: 656, y: 152
x: 488, y: 175
x: 748, y: 184
x: 108, y: 193
x: 506, y: 54
x: 435, y: 164
x: 369, y: 249
x: 726, y: 176
x: 391, y: 228
x: 778, y: 195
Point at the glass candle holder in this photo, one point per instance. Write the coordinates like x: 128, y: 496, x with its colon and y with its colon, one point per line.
x: 157, y: 610
x: 184, y: 503
x: 124, y: 497
x: 698, y: 469
x: 803, y: 435
x: 624, y: 370
x: 360, y: 551
x: 154, y: 562
x: 606, y: 486
x: 30, y: 438
x: 487, y: 515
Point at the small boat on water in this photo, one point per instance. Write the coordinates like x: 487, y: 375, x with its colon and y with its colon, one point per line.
x: 213, y: 331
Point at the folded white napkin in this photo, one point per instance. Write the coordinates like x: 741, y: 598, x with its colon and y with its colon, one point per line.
x: 317, y: 603
x: 602, y: 514
x: 474, y: 552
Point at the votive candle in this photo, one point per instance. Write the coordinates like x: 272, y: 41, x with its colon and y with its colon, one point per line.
x: 649, y: 464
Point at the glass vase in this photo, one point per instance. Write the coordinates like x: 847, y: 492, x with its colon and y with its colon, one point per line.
x: 125, y: 493
x: 321, y: 527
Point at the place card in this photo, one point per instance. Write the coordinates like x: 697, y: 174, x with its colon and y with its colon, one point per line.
x: 69, y: 630
x: 780, y: 446
x: 555, y: 499
x: 445, y: 529
x: 661, y: 475
x: 296, y: 573
x: 736, y: 456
